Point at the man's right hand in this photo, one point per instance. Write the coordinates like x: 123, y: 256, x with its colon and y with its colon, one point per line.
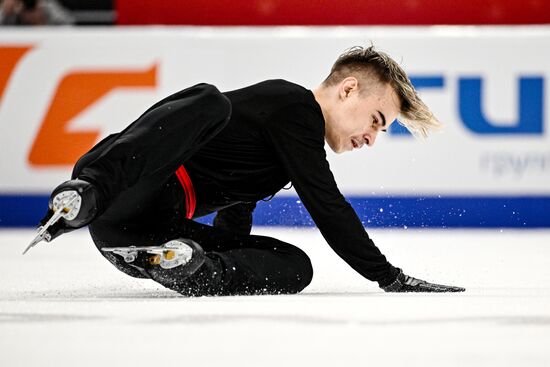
x: 83, y: 212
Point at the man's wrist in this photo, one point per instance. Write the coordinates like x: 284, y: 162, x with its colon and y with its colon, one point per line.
x: 390, y: 278
x: 396, y: 284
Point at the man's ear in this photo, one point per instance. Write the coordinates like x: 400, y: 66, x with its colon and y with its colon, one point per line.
x: 347, y: 86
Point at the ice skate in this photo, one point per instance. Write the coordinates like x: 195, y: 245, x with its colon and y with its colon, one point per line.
x: 174, y: 253
x: 66, y: 205
x: 72, y: 205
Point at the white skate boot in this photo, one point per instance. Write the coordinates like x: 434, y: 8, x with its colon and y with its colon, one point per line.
x: 169, y: 255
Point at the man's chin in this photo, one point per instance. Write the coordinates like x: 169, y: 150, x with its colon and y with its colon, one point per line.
x: 341, y: 150
x: 338, y: 149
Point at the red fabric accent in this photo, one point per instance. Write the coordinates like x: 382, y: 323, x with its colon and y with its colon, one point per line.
x: 342, y: 12
x: 190, y: 199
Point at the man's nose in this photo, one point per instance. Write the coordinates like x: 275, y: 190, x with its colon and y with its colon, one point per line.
x: 372, y: 138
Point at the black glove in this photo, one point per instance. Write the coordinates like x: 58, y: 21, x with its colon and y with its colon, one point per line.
x: 86, y: 210
x: 405, y: 283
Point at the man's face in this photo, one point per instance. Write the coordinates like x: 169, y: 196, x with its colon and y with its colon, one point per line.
x: 357, y: 118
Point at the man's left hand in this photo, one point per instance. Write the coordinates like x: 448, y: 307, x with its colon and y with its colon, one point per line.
x: 405, y: 283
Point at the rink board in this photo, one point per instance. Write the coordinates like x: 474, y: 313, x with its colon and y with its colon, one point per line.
x: 399, y: 212
x: 62, y: 90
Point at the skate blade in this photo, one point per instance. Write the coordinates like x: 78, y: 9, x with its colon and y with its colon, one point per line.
x: 168, y: 256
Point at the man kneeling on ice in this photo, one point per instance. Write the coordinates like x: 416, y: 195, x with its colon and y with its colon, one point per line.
x: 201, y: 151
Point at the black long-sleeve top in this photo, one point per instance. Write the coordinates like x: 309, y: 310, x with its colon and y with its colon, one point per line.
x: 274, y: 135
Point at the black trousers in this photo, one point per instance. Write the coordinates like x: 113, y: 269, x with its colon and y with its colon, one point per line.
x: 235, y: 264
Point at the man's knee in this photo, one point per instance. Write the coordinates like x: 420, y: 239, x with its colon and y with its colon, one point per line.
x: 303, y: 269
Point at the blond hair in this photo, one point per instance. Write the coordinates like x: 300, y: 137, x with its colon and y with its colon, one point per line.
x: 363, y: 62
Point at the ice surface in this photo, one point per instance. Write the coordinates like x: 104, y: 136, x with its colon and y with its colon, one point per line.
x: 62, y: 304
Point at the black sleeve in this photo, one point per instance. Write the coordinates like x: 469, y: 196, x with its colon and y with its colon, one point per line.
x: 160, y: 140
x: 236, y: 218
x: 295, y: 135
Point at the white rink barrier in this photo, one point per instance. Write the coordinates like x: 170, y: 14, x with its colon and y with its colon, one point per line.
x: 63, y: 89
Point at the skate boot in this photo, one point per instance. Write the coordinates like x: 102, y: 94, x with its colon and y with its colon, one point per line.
x: 183, y: 253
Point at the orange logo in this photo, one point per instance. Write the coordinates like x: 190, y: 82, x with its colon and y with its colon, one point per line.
x: 55, y: 143
x: 9, y: 57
